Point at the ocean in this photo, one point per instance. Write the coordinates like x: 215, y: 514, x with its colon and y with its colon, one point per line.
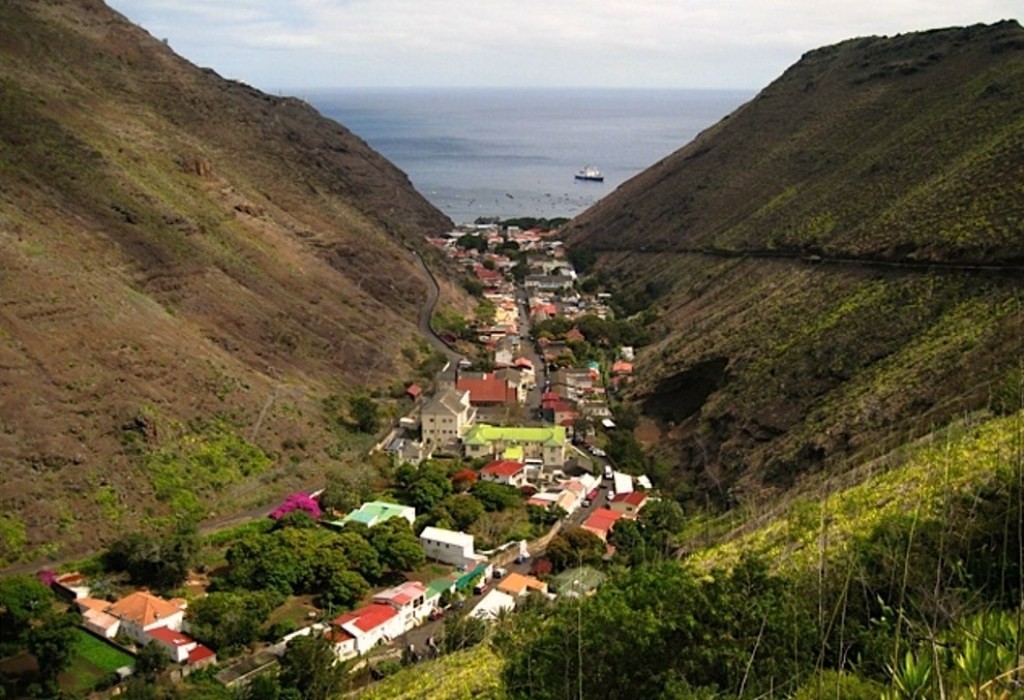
x: 507, y: 153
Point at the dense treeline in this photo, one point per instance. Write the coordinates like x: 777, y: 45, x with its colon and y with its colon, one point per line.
x: 919, y: 606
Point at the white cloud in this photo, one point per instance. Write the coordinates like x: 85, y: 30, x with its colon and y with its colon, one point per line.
x: 706, y: 43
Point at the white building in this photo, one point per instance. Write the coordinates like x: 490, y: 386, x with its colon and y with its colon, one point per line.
x: 450, y: 547
x: 446, y: 416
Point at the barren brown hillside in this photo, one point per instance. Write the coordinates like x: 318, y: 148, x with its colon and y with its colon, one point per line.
x: 188, y: 269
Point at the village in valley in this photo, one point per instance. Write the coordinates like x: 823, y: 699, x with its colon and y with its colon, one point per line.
x: 502, y: 488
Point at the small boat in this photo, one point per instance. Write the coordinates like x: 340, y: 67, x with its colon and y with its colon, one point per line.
x: 591, y: 174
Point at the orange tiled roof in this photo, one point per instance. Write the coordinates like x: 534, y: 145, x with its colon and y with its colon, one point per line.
x: 143, y: 608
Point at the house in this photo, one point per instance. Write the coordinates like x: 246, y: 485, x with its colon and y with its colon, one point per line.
x: 375, y: 512
x: 516, y: 380
x: 450, y: 547
x: 140, y: 612
x: 545, y: 443
x: 414, y: 391
x: 492, y: 605
x: 574, y: 335
x: 506, y: 472
x: 446, y: 416
x: 409, y: 599
x: 621, y: 368
x: 629, y: 504
x: 621, y: 482
x: 487, y: 389
x: 558, y: 410
x: 96, y: 619
x: 601, y: 522
x: 71, y: 586
x: 181, y: 648
x: 134, y: 615
x: 359, y: 631
x: 548, y: 283
x: 518, y: 585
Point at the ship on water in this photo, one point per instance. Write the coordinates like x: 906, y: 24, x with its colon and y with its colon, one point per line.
x: 590, y: 174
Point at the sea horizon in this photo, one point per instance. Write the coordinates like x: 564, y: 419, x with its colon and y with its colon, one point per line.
x: 514, y: 152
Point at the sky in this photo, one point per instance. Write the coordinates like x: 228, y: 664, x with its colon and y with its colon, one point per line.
x: 279, y: 45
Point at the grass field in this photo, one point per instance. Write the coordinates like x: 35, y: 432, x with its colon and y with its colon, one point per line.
x: 94, y: 661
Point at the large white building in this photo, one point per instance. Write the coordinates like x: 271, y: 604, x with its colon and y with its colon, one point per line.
x: 446, y: 416
x: 450, y: 547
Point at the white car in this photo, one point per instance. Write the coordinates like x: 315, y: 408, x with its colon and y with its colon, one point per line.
x: 598, y: 452
x: 611, y: 495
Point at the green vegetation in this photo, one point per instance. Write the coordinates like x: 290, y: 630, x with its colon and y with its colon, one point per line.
x: 94, y: 662
x: 159, y: 561
x: 470, y: 674
x: 204, y: 458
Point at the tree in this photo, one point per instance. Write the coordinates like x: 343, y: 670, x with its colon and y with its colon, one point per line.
x: 227, y: 620
x: 462, y: 632
x: 161, y: 561
x: 151, y: 660
x: 344, y: 493
x: 299, y: 501
x: 309, y: 667
x: 340, y: 587
x: 425, y: 487
x: 458, y: 511
x: 398, y: 548
x: 364, y: 413
x: 495, y: 497
x: 575, y: 547
x: 23, y: 600
x: 52, y: 642
x: 361, y: 555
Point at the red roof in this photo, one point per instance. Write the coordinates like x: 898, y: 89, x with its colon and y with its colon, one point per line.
x: 200, y: 653
x: 169, y: 636
x: 633, y: 498
x: 490, y: 389
x: 368, y: 618
x: 414, y: 390
x: 574, y: 334
x: 602, y: 519
x: 523, y: 362
x: 622, y: 367
x: 504, y: 467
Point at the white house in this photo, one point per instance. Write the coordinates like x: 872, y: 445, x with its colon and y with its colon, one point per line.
x: 409, y: 599
x: 180, y: 647
x: 450, y: 547
x: 359, y: 631
x: 134, y: 615
x: 506, y: 472
x: 492, y: 604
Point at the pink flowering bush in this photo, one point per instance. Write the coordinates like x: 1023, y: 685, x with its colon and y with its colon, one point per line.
x: 297, y: 501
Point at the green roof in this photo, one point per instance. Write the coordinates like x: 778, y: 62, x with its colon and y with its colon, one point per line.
x: 438, y: 586
x: 484, y: 434
x: 374, y: 512
x: 468, y: 577
x: 514, y: 453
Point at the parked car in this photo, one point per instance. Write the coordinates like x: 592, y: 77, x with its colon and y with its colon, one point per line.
x: 608, y: 471
x: 611, y: 495
x: 592, y: 496
x: 480, y: 588
x: 598, y: 452
x: 436, y: 614
x: 499, y: 572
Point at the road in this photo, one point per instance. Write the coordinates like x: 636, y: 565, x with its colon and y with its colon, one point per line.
x: 427, y: 310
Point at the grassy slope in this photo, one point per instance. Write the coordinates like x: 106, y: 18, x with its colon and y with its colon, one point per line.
x: 174, y: 247
x: 472, y: 673
x: 881, y: 155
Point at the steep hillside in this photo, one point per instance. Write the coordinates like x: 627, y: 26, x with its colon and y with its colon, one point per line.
x: 188, y: 268
x: 837, y: 264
